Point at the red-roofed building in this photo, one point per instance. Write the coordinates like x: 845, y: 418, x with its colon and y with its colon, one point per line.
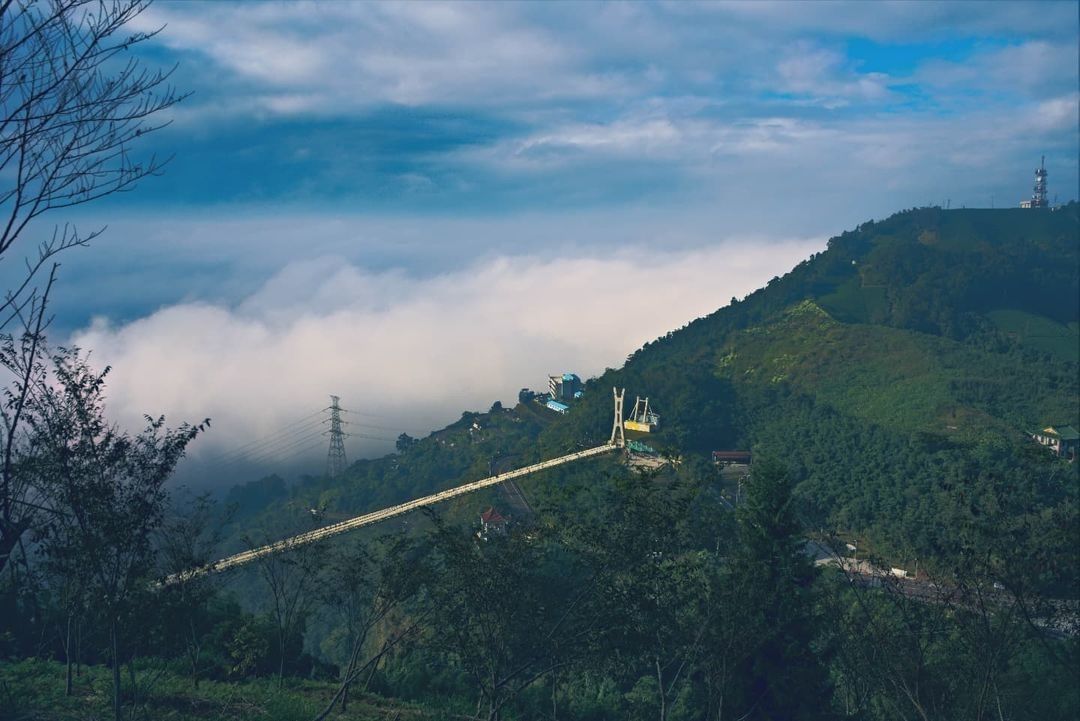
x: 491, y: 521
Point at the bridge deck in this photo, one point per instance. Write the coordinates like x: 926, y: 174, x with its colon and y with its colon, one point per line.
x: 381, y: 515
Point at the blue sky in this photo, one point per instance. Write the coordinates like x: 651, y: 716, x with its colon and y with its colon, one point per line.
x: 495, y: 108
x: 414, y: 144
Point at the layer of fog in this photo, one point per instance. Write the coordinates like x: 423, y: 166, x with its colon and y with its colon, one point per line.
x: 406, y: 353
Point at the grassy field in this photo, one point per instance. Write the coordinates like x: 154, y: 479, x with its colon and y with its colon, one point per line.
x: 33, y: 690
x: 853, y: 302
x: 895, y: 378
x: 1039, y: 333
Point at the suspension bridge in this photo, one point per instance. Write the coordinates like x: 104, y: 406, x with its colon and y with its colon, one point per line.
x: 617, y: 441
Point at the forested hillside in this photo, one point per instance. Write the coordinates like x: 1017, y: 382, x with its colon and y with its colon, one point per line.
x: 885, y: 388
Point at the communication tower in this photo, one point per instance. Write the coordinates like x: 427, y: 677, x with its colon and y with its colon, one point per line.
x: 335, y: 457
x: 1038, y: 198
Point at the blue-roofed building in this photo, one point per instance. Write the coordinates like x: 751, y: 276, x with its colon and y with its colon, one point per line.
x: 557, y: 407
x: 563, y: 387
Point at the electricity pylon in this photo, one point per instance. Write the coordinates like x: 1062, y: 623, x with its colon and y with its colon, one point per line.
x: 335, y: 457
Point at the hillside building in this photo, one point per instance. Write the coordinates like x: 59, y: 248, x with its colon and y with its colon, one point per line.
x: 564, y: 387
x: 1061, y: 439
x: 557, y: 407
x: 491, y: 521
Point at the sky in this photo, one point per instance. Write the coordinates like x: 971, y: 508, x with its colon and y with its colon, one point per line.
x: 423, y: 207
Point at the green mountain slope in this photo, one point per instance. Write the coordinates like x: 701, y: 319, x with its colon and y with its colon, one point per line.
x: 905, y: 360
x: 908, y: 357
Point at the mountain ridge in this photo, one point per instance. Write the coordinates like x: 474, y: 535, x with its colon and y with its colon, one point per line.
x: 878, y: 359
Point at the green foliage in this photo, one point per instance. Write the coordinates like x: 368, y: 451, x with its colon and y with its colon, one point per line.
x: 29, y: 691
x: 786, y: 673
x: 883, y: 386
x: 251, y: 497
x: 1039, y: 333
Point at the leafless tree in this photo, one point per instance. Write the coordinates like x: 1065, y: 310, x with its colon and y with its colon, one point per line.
x: 21, y: 500
x: 292, y: 577
x: 365, y: 590
x: 107, y: 489
x: 73, y: 104
x: 189, y: 538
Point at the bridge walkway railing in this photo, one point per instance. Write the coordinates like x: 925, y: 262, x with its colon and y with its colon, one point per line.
x: 368, y: 519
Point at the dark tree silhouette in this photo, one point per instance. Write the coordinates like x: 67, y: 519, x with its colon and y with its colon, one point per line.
x: 73, y: 104
x: 107, y: 492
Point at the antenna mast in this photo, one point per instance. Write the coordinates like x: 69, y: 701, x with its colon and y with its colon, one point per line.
x: 335, y: 457
x: 1038, y: 199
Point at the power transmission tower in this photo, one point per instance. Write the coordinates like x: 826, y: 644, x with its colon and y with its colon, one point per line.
x: 335, y: 457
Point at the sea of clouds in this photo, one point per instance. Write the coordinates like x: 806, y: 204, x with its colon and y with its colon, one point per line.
x: 411, y: 351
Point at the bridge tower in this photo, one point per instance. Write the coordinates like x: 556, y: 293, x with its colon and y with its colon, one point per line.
x: 335, y: 457
x: 618, y: 433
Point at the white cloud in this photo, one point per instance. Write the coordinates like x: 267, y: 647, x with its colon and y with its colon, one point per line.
x: 900, y: 20
x: 1035, y: 68
x: 822, y: 75
x: 1056, y: 114
x: 621, y: 136
x: 416, y: 350
x: 333, y: 58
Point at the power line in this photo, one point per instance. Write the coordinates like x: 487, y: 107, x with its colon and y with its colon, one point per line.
x: 298, y: 437
x: 373, y: 438
x: 265, y: 448
x: 279, y: 451
x: 264, y: 440
x: 373, y: 425
x: 273, y: 452
x: 295, y: 450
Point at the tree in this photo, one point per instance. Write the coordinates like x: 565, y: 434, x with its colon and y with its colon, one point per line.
x: 72, y: 102
x: 364, y: 588
x: 73, y: 105
x: 292, y: 576
x: 21, y: 500
x: 729, y: 638
x: 503, y: 609
x: 972, y: 642
x: 655, y: 582
x: 404, y: 442
x: 106, y: 490
x: 785, y: 676
x: 188, y: 539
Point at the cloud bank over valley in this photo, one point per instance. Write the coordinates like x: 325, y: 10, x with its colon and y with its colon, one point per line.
x: 412, y: 351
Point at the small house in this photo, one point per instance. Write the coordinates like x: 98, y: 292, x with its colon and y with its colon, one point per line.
x: 491, y: 521
x: 1061, y: 439
x: 557, y: 407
